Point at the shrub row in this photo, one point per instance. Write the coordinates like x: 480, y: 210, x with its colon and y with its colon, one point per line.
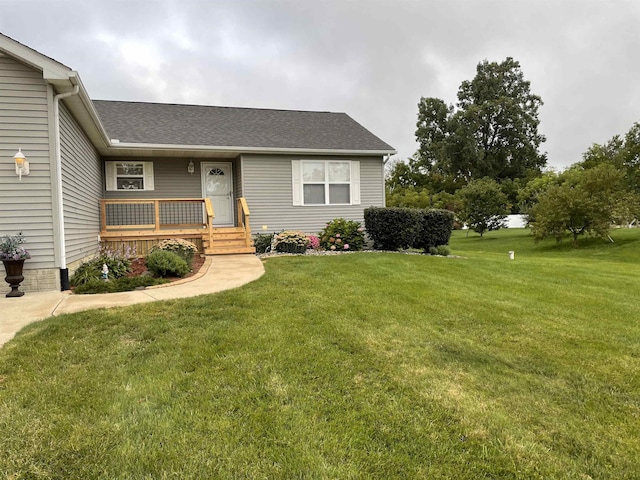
x: 397, y: 228
x: 338, y: 235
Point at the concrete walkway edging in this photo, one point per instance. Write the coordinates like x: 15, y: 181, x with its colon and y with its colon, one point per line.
x: 217, y: 274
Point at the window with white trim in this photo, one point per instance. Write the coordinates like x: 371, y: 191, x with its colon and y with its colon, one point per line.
x: 128, y: 176
x: 326, y: 182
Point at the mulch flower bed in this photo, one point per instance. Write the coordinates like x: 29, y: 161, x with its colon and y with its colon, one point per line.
x: 139, y: 268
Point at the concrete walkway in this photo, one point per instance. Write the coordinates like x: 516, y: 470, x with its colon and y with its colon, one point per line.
x: 222, y: 272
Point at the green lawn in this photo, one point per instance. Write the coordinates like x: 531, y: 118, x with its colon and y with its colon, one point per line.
x: 365, y: 365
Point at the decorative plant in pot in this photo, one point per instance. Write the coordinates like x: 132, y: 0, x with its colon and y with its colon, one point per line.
x: 13, y: 256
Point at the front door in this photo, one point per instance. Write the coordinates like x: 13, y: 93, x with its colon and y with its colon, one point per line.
x: 217, y: 185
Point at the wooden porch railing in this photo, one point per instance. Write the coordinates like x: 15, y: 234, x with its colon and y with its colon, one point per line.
x: 142, y: 223
x: 243, y: 220
x: 160, y: 216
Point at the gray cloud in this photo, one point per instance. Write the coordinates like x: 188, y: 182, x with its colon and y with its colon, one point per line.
x: 371, y: 59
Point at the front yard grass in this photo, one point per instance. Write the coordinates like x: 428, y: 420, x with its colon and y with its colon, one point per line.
x: 365, y: 365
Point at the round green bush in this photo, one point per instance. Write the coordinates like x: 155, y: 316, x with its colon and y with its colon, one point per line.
x: 183, y: 248
x: 262, y: 241
x: 342, y: 235
x: 166, y: 264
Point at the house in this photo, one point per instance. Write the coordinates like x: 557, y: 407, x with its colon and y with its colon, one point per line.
x: 114, y: 173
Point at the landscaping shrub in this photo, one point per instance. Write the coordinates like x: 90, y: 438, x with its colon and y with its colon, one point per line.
x: 395, y: 228
x: 433, y: 251
x: 314, y: 242
x: 262, y: 241
x: 291, y: 241
x: 183, y: 248
x: 123, y: 284
x: 392, y: 228
x: 342, y: 235
x: 162, y: 263
x: 435, y: 228
x: 117, y: 261
x: 443, y: 250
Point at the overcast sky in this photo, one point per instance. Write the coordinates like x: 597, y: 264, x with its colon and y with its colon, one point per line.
x: 372, y: 59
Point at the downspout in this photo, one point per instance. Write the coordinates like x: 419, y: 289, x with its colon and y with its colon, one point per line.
x: 64, y: 271
x: 384, y: 179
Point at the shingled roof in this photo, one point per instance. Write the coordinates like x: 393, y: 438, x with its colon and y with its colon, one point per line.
x: 197, y: 125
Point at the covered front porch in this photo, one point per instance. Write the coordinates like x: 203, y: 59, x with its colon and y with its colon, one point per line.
x: 141, y: 223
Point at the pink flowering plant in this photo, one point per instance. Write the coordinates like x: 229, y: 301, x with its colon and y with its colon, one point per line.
x: 11, y: 249
x: 314, y: 242
x: 342, y: 235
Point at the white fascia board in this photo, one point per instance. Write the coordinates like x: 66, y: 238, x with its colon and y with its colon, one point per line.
x: 237, y: 149
x: 51, y: 69
x: 91, y: 111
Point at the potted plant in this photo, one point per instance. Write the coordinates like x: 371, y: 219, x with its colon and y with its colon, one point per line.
x: 13, y: 256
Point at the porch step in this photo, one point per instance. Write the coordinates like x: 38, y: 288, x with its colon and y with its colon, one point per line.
x: 228, y: 236
x: 229, y: 250
x: 227, y: 241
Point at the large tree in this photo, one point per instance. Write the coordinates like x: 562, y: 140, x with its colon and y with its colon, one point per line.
x: 621, y: 152
x: 492, y: 131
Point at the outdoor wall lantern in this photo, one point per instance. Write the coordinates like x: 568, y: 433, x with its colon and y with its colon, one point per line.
x: 191, y: 168
x: 22, y: 166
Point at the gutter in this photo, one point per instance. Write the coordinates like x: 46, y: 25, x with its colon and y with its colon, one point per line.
x: 62, y: 261
x: 121, y: 147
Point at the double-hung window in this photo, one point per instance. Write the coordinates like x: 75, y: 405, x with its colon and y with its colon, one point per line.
x: 326, y: 182
x: 129, y: 175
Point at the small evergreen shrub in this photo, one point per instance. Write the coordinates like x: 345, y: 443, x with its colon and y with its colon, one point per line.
x: 433, y: 251
x: 435, y: 228
x: 291, y: 241
x: 162, y: 263
x: 124, y: 284
x: 392, y: 228
x: 342, y: 235
x: 443, y: 250
x: 117, y: 261
x: 262, y: 241
x: 183, y: 248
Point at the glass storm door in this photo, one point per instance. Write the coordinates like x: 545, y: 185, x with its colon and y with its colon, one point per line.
x: 217, y: 185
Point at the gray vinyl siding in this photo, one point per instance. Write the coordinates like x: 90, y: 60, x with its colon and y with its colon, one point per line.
x: 268, y: 190
x: 171, y: 180
x: 81, y: 187
x: 24, y: 122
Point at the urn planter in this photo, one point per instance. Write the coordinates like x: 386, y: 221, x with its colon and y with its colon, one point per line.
x: 13, y: 269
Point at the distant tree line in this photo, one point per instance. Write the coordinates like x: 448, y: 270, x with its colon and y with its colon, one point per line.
x: 481, y: 159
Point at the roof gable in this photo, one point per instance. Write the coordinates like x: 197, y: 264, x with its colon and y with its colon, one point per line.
x: 51, y: 69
